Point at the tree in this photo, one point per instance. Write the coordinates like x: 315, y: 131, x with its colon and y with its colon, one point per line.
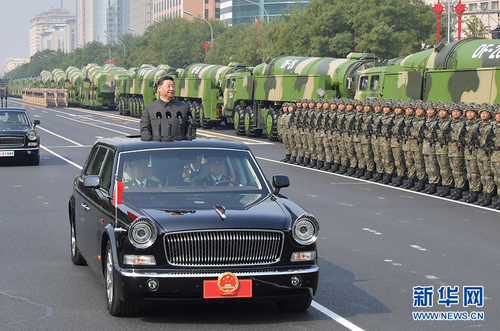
x: 475, y: 28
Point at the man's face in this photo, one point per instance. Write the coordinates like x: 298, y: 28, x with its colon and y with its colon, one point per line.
x: 216, y: 167
x: 485, y: 115
x: 167, y: 89
x: 349, y: 107
x: 326, y: 105
x: 431, y: 112
x: 333, y: 106
x: 367, y: 108
x: 409, y: 111
x: 456, y: 113
x: 398, y: 110
x: 285, y: 109
x: 471, y: 114
x: 386, y: 110
x: 298, y: 104
x: 319, y: 105
x: 311, y: 105
x: 377, y: 108
x: 419, y: 112
x: 341, y: 107
x: 443, y: 113
x: 359, y: 108
x: 497, y: 117
x: 304, y: 104
x: 140, y: 171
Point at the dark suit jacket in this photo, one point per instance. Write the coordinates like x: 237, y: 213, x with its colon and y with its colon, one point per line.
x: 149, y: 121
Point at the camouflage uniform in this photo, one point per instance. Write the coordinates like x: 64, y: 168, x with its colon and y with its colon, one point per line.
x: 334, y: 135
x: 342, y: 137
x: 483, y: 156
x: 397, y: 136
x: 470, y: 137
x: 443, y: 129
x: 348, y: 136
x: 357, y: 138
x: 325, y: 127
x: 291, y: 133
x: 456, y: 151
x: 408, y: 154
x: 304, y: 133
x: 297, y: 131
x: 429, y: 149
x: 283, y: 131
x: 319, y: 135
x: 415, y: 139
x: 310, y: 134
x: 385, y: 141
x: 495, y: 155
x: 366, y: 138
x: 376, y: 127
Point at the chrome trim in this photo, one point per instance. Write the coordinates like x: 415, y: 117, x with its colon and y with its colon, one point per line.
x: 223, y: 247
x: 149, y: 273
x: 12, y: 141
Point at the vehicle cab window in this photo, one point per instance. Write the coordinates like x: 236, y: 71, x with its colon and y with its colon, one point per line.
x: 96, y: 161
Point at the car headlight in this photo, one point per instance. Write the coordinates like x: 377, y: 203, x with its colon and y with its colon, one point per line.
x: 32, y: 135
x: 305, y: 229
x: 142, y: 233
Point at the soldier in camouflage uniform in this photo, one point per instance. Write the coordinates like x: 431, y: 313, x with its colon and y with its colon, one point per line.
x: 376, y: 138
x: 291, y: 134
x: 397, y: 137
x: 429, y: 148
x: 334, y: 136
x: 443, y: 132
x: 483, y: 155
x: 385, y: 141
x: 471, y: 140
x: 366, y: 138
x: 342, y: 136
x: 283, y: 130
x: 310, y: 132
x: 325, y: 126
x: 495, y: 154
x: 416, y: 138
x: 456, y: 149
x: 304, y: 133
x: 348, y: 136
x: 357, y: 135
x: 297, y: 131
x: 319, y: 135
x: 408, y: 154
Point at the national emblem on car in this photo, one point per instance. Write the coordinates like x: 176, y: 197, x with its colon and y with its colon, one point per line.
x: 228, y: 283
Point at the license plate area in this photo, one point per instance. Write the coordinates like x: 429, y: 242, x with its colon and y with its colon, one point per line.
x: 6, y: 153
x: 212, y: 289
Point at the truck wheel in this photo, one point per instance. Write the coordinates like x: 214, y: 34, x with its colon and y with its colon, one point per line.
x: 238, y: 120
x: 249, y: 118
x: 271, y: 125
x: 204, y: 121
x: 196, y: 114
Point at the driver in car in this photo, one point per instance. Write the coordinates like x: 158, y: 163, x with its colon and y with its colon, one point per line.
x: 216, y: 166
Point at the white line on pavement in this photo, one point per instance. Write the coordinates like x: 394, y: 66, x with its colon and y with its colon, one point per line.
x: 59, y: 136
x: 337, y: 318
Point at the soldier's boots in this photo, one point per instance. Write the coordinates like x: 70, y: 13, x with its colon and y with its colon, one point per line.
x: 299, y: 160
x: 335, y: 167
x: 292, y: 160
x: 368, y: 175
x: 432, y: 189
x: 387, y: 179
x: 327, y: 166
x: 360, y: 173
x: 410, y: 184
x: 342, y: 170
x: 421, y: 185
x: 351, y: 171
x: 446, y: 191
x: 305, y: 161
x: 287, y: 158
x: 457, y: 195
x: 312, y: 164
x: 486, y: 200
x: 379, y: 177
x: 398, y: 182
x: 319, y: 165
x: 497, y: 206
x: 472, y: 197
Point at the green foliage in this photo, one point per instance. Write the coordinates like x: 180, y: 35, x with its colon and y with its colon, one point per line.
x: 475, y: 28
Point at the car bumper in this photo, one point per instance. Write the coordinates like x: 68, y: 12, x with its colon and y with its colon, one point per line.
x: 21, y: 152
x: 273, y: 284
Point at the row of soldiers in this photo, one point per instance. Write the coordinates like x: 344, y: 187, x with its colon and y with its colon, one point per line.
x: 455, y: 144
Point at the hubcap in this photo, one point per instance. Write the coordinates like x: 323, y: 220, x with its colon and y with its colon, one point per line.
x: 109, y: 277
x: 73, y: 241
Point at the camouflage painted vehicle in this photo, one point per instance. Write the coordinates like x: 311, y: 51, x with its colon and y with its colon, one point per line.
x: 254, y: 98
x: 467, y: 70
x: 59, y: 78
x: 74, y: 78
x: 46, y: 79
x: 201, y: 85
x: 98, y: 88
x: 139, y: 88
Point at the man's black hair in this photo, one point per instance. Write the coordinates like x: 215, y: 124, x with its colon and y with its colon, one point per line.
x: 164, y: 78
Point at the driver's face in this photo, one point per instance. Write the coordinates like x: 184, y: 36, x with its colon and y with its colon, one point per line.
x: 216, y: 168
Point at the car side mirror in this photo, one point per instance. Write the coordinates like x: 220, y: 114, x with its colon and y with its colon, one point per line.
x: 280, y: 181
x: 92, y: 181
x: 36, y: 122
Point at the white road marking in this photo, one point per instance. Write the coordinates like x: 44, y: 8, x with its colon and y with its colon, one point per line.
x: 373, y: 231
x: 337, y: 318
x: 59, y: 136
x: 418, y: 247
x: 346, y: 204
x: 94, y: 125
x: 431, y: 277
x: 61, y: 157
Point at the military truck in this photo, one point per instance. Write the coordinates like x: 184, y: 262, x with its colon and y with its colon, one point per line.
x: 75, y: 78
x: 98, y: 88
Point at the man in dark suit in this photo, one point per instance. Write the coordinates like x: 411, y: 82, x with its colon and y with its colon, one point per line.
x: 156, y: 113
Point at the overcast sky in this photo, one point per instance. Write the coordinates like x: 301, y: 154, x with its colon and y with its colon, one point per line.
x: 15, y: 24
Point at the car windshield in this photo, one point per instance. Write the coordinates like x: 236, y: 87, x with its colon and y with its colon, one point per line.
x: 188, y: 179
x: 13, y: 118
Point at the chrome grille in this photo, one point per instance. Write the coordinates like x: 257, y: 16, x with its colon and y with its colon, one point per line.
x: 12, y: 141
x: 223, y: 248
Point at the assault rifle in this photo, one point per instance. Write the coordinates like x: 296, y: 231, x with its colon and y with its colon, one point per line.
x: 333, y: 123
x: 359, y: 125
x: 474, y: 139
x: 434, y: 136
x: 489, y: 145
x: 461, y: 137
x: 342, y: 125
x: 388, y: 134
x: 401, y: 131
x: 445, y: 137
x: 408, y: 131
x: 378, y: 131
x: 350, y: 129
x: 420, y: 136
x: 369, y: 129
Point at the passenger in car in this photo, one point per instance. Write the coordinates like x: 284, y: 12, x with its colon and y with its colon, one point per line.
x: 193, y: 169
x: 140, y: 170
x: 216, y: 165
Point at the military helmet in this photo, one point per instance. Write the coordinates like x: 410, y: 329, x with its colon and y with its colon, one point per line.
x: 486, y: 107
x: 375, y: 102
x: 334, y: 100
x: 386, y: 103
x: 341, y: 101
x: 450, y: 105
x: 399, y: 104
x: 429, y: 104
x: 357, y: 102
x: 292, y: 105
x: 298, y: 100
x: 348, y: 101
x: 367, y: 101
x: 419, y: 104
x: 409, y: 104
x: 440, y: 105
x: 472, y: 107
x: 497, y: 110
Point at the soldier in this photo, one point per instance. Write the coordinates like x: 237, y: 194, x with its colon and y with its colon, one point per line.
x: 297, y: 131
x: 342, y: 137
x: 310, y: 132
x: 471, y: 142
x: 416, y: 138
x: 319, y: 135
x: 357, y: 137
x: 334, y: 136
x: 366, y: 138
x: 408, y: 154
x: 385, y: 141
x: 443, y: 132
x: 283, y: 130
x: 397, y: 136
x: 495, y: 155
x: 325, y: 127
x: 291, y: 133
x: 348, y: 136
x: 376, y: 128
x: 483, y: 155
x: 456, y: 146
x: 304, y: 133
x: 429, y: 148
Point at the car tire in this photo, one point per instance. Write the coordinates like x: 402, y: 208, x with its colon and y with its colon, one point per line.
x: 115, y: 305
x: 76, y: 256
x: 298, y: 304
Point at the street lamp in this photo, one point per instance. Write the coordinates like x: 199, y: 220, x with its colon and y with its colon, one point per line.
x: 131, y: 30
x: 155, y: 21
x: 108, y: 49
x: 124, y: 49
x: 211, y: 30
x: 261, y: 6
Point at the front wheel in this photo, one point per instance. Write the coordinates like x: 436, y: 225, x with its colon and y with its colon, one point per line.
x: 76, y: 256
x: 115, y: 305
x: 239, y: 121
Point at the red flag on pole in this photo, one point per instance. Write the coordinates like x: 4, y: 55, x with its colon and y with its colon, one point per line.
x: 118, y: 195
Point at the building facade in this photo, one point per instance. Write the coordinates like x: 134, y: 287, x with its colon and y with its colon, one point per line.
x: 234, y: 12
x: 11, y: 64
x: 140, y: 16
x: 207, y: 9
x: 43, y: 22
